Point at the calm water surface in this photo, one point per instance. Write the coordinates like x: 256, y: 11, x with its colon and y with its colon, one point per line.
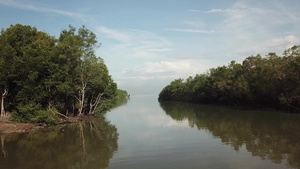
x: 148, y: 134
x: 182, y: 135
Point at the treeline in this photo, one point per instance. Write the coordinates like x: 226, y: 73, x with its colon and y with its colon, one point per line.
x: 271, y: 81
x: 43, y: 78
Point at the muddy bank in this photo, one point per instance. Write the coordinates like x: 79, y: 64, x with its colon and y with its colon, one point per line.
x: 7, y: 127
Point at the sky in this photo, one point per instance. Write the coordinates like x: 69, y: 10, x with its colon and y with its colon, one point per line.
x: 146, y: 44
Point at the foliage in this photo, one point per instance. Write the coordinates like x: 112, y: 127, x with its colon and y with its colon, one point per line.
x: 35, y: 113
x: 272, y: 81
x: 39, y: 73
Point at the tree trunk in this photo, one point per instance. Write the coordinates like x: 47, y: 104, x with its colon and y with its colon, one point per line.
x: 2, y: 107
x: 80, y: 98
x: 94, y: 104
x: 4, y: 94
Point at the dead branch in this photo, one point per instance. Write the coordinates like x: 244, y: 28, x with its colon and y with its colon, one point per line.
x: 63, y: 115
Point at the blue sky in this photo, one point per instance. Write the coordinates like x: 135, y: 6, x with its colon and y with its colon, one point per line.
x: 148, y: 43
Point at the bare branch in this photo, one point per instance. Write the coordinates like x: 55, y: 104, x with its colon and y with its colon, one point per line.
x: 94, y: 104
x: 63, y: 115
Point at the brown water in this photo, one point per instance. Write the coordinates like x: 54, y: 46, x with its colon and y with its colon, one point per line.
x: 148, y: 134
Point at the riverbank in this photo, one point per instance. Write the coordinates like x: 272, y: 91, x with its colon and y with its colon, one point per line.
x: 8, y: 127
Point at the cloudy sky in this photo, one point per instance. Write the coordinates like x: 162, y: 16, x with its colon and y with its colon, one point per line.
x: 148, y: 43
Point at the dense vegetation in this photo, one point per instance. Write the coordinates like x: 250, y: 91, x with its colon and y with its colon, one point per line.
x: 43, y: 78
x: 271, y: 81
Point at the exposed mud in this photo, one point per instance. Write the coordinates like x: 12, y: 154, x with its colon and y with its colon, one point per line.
x: 7, y: 127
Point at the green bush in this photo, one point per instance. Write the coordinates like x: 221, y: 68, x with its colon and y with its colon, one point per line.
x: 34, y: 113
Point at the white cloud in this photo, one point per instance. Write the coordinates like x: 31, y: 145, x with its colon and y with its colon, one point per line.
x: 165, y: 70
x: 192, y: 30
x: 246, y: 28
x: 288, y: 13
x: 131, y: 35
x: 43, y: 9
x: 133, y: 58
x: 194, y: 23
x: 212, y: 11
x: 115, y: 34
x: 158, y: 50
x: 203, y: 56
x: 250, y: 29
x: 272, y: 45
x: 134, y: 43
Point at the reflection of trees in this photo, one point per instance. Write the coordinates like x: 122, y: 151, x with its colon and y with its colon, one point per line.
x: 84, y: 145
x: 122, y: 99
x: 271, y: 136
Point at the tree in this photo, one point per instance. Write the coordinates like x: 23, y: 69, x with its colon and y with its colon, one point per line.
x: 67, y: 74
x: 290, y: 76
x: 24, y: 52
x: 271, y: 81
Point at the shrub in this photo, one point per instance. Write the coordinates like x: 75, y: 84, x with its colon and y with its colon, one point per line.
x: 34, y: 113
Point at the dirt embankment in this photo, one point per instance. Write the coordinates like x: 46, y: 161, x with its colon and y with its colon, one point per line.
x: 7, y: 127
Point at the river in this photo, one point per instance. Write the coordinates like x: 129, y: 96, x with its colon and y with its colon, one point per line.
x: 147, y: 134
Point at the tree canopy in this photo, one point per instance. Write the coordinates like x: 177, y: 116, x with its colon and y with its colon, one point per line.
x: 42, y: 77
x: 271, y: 81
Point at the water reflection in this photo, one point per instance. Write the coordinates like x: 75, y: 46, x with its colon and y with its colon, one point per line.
x: 270, y: 136
x: 84, y: 145
x: 121, y: 101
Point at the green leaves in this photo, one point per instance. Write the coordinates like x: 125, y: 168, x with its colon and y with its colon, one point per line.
x: 39, y: 70
x: 272, y: 81
x: 35, y: 113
